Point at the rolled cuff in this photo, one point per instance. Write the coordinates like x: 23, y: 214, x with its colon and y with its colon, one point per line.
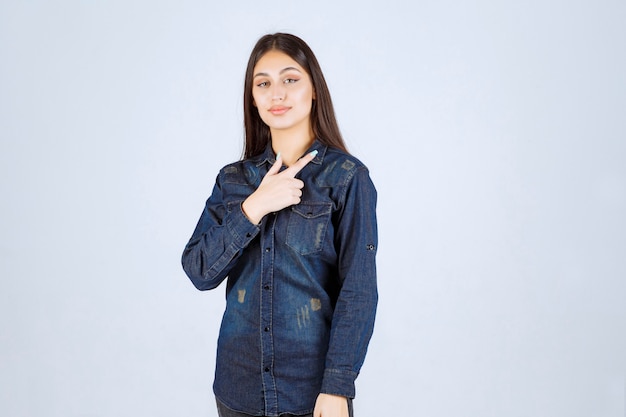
x: 338, y: 382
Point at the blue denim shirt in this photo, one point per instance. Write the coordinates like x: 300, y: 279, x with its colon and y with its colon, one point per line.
x: 301, y: 292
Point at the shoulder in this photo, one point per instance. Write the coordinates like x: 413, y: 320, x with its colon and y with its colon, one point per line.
x: 340, y: 167
x: 349, y: 178
x: 347, y: 161
x: 341, y: 162
x: 240, y: 172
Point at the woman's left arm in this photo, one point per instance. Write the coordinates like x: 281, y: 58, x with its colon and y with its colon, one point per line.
x: 356, y: 239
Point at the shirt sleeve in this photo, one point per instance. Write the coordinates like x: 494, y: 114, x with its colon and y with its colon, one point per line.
x: 353, y: 318
x: 221, y: 234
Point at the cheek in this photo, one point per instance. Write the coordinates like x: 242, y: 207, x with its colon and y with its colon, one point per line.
x: 259, y: 97
x: 304, y: 95
x: 310, y: 95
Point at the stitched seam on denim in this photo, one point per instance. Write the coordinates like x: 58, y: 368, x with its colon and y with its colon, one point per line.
x: 222, y: 261
x: 342, y: 372
x: 348, y: 179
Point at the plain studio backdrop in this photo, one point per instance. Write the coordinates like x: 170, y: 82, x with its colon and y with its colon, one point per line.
x: 495, y: 133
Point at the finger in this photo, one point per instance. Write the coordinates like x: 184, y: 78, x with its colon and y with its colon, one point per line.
x: 296, y: 183
x: 276, y: 167
x: 301, y: 163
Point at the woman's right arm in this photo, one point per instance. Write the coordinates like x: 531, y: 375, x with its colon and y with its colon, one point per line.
x: 224, y: 229
x: 221, y: 234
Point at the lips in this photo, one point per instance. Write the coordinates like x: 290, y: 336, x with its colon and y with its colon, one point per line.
x: 278, y: 110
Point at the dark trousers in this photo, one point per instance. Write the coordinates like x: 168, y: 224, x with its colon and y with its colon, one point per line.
x: 224, y: 411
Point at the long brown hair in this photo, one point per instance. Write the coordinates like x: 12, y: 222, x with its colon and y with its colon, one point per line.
x: 323, y: 121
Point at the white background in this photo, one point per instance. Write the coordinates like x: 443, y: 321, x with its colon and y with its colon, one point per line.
x: 495, y: 133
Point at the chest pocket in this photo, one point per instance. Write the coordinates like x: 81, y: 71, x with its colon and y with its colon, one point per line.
x: 308, y: 223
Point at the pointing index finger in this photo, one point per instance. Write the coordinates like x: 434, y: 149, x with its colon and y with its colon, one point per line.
x: 301, y: 163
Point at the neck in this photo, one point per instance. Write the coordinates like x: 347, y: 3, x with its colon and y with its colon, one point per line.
x: 291, y: 145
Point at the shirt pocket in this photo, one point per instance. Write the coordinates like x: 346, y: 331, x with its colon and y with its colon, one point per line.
x: 307, y: 227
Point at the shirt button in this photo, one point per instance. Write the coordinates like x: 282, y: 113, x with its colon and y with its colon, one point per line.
x: 248, y: 234
x: 268, y: 249
x: 266, y: 287
x: 267, y: 329
x: 267, y: 369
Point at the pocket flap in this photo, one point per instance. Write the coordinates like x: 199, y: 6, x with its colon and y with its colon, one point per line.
x: 312, y: 210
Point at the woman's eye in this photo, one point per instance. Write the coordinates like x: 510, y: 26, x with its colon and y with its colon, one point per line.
x: 262, y: 84
x: 290, y: 81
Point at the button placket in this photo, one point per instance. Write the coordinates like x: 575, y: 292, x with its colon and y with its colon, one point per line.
x: 265, y: 330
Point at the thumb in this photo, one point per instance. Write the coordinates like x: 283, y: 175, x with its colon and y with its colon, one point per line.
x: 276, y: 167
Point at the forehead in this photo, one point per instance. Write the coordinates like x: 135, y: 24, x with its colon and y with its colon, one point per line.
x: 274, y: 62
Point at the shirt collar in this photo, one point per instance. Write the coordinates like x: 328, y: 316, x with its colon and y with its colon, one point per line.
x: 269, y: 156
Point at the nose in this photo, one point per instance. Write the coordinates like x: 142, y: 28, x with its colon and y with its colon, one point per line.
x: 278, y: 92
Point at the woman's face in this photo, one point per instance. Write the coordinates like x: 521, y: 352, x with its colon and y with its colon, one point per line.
x: 282, y: 92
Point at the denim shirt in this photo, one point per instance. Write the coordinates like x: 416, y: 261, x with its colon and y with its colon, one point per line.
x: 301, y: 291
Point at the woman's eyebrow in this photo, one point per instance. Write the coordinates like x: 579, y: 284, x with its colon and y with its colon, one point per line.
x: 264, y: 74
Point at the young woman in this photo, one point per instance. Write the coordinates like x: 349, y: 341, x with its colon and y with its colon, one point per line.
x: 293, y: 228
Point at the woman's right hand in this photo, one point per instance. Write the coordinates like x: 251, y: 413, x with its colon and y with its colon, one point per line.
x: 277, y: 189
